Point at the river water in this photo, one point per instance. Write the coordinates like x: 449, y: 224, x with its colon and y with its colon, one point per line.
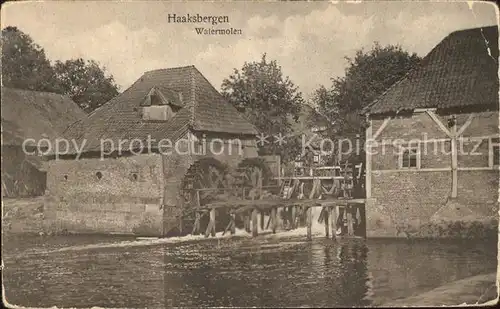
x: 277, y: 270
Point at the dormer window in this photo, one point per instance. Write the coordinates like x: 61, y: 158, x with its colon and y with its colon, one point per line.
x: 157, y: 112
x: 156, y: 107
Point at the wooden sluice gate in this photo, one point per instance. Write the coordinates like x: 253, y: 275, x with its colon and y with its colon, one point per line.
x: 342, y: 214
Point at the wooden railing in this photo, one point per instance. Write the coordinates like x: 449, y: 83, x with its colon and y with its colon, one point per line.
x: 329, y: 171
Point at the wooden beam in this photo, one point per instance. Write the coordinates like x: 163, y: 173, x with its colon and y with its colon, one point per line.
x: 233, y: 225
x: 350, y: 227
x: 247, y: 222
x: 483, y: 168
x: 255, y: 224
x: 294, y: 213
x: 211, y: 224
x: 273, y: 219
x: 212, y: 218
x: 466, y: 125
x: 423, y: 110
x: 198, y: 198
x: 196, y: 225
x: 333, y: 220
x: 321, y: 215
x: 269, y: 222
x: 309, y: 223
x: 381, y: 128
x: 327, y: 223
x: 437, y: 169
x: 439, y: 123
x: 368, y: 159
x: 181, y: 225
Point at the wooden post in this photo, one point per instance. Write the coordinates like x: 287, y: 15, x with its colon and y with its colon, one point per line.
x: 181, y: 225
x: 350, y: 227
x: 333, y: 220
x: 309, y: 223
x: 210, y: 223
x: 196, y: 225
x: 233, y: 223
x: 198, y: 198
x: 292, y: 225
x: 247, y: 222
x: 269, y: 221
x: 262, y: 220
x: 212, y: 218
x: 255, y: 225
x: 327, y: 224
x: 273, y: 219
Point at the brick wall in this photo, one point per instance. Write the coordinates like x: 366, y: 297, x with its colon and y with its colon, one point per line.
x: 126, y: 199
x: 124, y: 179
x: 138, y: 194
x: 404, y: 200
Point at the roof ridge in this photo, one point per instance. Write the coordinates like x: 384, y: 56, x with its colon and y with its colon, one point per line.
x: 53, y: 94
x: 405, y: 77
x: 193, y: 102
x: 116, y: 96
x: 473, y: 29
x: 420, y: 86
x: 170, y: 69
x: 37, y: 91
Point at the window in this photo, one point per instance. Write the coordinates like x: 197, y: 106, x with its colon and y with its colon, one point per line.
x: 409, y: 157
x: 156, y: 107
x: 494, y: 152
x: 134, y: 176
x: 157, y: 112
x: 316, y: 159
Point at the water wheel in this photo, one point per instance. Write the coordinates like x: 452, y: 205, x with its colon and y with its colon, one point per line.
x: 254, y: 174
x: 203, y: 183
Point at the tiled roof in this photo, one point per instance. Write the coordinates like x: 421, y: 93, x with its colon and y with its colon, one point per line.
x: 36, y: 115
x: 203, y: 109
x: 460, y: 71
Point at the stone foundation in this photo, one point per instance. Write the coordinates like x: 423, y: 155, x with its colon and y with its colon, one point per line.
x: 448, y: 222
x: 43, y: 216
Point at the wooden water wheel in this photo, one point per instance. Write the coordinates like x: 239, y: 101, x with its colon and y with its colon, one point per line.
x: 254, y: 174
x: 204, y: 182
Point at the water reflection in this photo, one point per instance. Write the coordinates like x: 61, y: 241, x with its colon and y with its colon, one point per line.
x: 266, y: 272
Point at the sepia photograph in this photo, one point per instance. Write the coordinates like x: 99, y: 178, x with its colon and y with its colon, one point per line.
x: 274, y: 154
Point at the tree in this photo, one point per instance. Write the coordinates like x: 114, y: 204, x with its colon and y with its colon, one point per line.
x: 85, y: 82
x: 24, y: 64
x: 367, y: 76
x: 269, y: 100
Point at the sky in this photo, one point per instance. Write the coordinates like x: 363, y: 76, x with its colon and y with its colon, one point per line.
x: 310, y: 40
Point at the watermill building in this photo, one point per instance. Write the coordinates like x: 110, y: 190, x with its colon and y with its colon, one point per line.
x: 136, y: 150
x: 435, y: 151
